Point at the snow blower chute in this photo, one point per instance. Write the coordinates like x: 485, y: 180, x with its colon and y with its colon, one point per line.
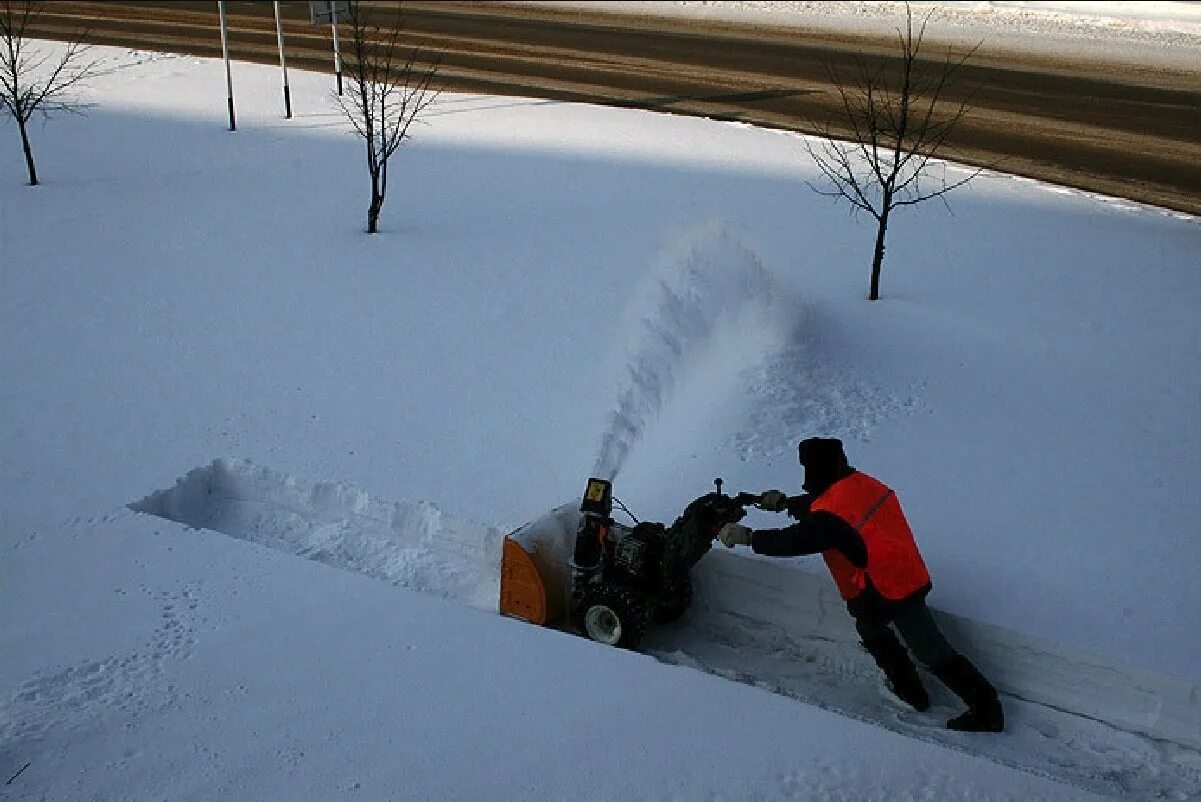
x: 608, y: 581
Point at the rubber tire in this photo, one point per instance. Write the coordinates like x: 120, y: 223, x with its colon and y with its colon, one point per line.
x: 682, y: 600
x: 631, y: 609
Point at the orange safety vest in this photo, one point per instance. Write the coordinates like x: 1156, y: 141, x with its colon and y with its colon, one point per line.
x: 894, y: 564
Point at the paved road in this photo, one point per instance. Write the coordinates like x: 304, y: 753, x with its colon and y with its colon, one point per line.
x: 1120, y: 129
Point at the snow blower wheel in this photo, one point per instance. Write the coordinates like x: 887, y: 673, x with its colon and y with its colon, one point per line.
x: 614, y: 616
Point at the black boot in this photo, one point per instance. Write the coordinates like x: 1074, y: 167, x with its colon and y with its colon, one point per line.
x: 902, y: 676
x: 984, y: 712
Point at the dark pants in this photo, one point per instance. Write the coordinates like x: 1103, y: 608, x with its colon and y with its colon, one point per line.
x: 917, y: 627
x: 913, y: 620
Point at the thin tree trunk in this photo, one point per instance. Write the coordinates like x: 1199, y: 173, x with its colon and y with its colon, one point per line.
x: 373, y: 208
x: 878, y: 256
x: 33, y: 172
x: 373, y: 213
x: 377, y: 202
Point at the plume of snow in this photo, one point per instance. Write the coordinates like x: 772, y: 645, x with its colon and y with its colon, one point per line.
x: 709, y: 278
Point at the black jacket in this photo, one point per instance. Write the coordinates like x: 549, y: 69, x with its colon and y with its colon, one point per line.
x: 816, y: 532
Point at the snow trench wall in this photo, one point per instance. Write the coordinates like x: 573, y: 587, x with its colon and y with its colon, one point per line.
x: 736, y: 592
x: 409, y: 544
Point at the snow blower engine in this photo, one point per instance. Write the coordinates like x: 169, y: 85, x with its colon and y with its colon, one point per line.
x: 624, y: 578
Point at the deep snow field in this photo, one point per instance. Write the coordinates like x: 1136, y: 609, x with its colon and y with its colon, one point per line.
x: 208, y: 372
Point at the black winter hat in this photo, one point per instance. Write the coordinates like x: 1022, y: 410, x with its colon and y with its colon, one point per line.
x: 824, y: 461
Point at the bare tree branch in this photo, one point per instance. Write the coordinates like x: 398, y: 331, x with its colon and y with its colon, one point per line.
x: 37, y: 82
x: 896, y: 120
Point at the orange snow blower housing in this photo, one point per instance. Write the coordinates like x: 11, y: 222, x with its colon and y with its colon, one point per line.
x: 522, y: 594
x: 534, y: 568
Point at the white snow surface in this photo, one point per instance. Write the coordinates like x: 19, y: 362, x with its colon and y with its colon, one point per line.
x: 210, y: 374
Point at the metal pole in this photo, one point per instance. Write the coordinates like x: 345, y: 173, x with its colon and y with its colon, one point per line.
x: 229, y: 80
x: 283, y: 65
x: 333, y: 15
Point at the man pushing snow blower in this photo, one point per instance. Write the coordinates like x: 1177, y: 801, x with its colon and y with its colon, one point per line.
x: 857, y: 525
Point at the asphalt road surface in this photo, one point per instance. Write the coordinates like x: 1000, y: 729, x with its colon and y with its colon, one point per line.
x: 1128, y: 130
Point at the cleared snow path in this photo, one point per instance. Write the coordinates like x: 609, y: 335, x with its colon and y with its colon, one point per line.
x: 755, y: 622
x: 1069, y: 717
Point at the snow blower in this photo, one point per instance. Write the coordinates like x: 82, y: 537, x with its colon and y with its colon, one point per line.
x: 606, y: 580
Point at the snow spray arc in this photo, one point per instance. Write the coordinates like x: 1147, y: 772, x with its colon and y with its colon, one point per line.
x: 708, y: 279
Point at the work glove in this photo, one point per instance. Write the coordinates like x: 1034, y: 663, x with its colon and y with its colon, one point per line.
x: 734, y: 535
x: 798, y: 506
x: 772, y: 501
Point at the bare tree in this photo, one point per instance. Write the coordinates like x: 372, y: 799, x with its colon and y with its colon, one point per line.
x: 389, y: 91
x: 897, y: 119
x: 34, y: 81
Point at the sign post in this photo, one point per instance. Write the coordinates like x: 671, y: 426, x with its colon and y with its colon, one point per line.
x: 337, y: 52
x: 330, y: 12
x: 283, y: 65
x: 229, y: 81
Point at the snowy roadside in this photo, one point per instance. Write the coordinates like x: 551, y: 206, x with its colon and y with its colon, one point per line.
x: 1165, y: 34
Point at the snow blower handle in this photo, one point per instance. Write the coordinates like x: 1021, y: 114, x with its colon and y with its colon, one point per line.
x: 742, y: 499
x: 748, y: 499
